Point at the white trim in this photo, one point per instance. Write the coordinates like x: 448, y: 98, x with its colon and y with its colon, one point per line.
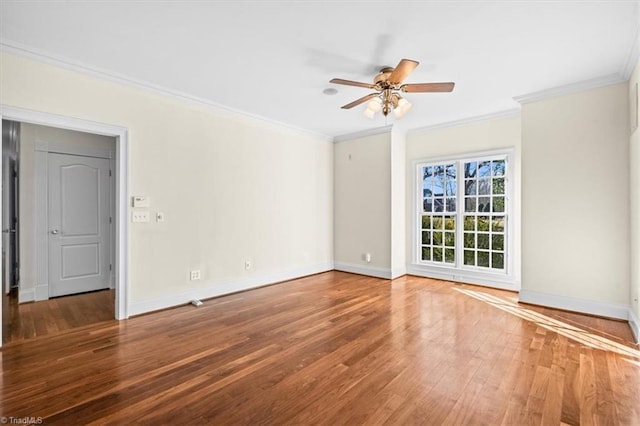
x: 370, y: 271
x: 29, y: 52
x: 507, y: 113
x: 41, y: 292
x: 363, y: 133
x: 603, y: 309
x: 63, y: 148
x: 215, y: 289
x: 398, y: 272
x: 122, y: 206
x: 25, y: 296
x: 567, y: 89
x: 634, y: 324
x: 466, y: 277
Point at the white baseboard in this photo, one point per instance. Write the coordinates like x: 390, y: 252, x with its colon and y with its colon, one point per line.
x: 222, y: 288
x: 28, y: 295
x: 370, y: 271
x: 398, y: 272
x: 634, y: 323
x: 603, y: 309
x: 41, y: 292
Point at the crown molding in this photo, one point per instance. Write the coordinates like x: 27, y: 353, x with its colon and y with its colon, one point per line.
x: 512, y: 112
x: 364, y: 133
x: 567, y: 89
x: 634, y: 54
x: 18, y: 49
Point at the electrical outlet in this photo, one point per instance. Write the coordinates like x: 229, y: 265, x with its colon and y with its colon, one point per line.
x: 367, y: 257
x: 247, y: 265
x: 140, y: 216
x: 195, y: 275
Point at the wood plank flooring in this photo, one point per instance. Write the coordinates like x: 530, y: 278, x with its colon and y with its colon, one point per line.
x: 333, y: 348
x: 28, y: 320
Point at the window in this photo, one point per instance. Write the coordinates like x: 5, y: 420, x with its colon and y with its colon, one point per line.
x: 463, y: 213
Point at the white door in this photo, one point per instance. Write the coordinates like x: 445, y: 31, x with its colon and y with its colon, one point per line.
x: 78, y: 224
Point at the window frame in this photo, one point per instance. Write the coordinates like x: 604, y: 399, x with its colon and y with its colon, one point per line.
x: 502, y: 278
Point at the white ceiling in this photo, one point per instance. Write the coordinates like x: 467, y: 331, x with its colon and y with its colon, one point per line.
x: 274, y: 58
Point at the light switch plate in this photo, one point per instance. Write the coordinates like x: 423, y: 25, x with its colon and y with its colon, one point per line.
x: 140, y: 216
x: 140, y: 201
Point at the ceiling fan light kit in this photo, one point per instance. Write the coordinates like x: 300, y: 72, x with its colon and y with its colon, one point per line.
x: 388, y: 86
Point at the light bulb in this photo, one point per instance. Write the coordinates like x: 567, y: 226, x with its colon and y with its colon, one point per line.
x: 369, y: 113
x: 375, y: 104
x: 398, y: 112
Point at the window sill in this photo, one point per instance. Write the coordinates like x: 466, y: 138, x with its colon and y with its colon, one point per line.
x: 488, y: 279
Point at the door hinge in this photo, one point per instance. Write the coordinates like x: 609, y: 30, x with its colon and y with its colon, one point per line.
x: 111, y: 267
x: 110, y: 220
x: 109, y: 173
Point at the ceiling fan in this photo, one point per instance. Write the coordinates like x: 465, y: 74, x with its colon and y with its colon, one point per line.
x: 388, y: 86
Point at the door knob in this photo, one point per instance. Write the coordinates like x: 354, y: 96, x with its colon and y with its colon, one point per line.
x: 55, y: 231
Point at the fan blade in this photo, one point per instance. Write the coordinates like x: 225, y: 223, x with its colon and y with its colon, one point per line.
x: 351, y: 83
x: 427, y: 87
x: 361, y: 100
x: 402, y: 70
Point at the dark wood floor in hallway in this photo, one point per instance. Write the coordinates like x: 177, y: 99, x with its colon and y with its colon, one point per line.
x: 333, y: 348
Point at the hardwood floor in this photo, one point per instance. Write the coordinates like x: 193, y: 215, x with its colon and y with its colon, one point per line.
x: 37, y: 319
x: 334, y: 348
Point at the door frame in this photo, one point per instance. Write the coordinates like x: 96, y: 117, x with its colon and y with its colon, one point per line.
x: 121, y: 266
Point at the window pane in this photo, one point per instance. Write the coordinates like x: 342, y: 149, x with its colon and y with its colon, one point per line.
x: 484, y: 169
x: 484, y: 186
x: 483, y: 259
x: 497, y: 225
x: 498, y: 186
x: 437, y: 238
x: 497, y: 242
x: 469, y: 240
x: 437, y: 254
x: 470, y: 169
x: 469, y: 257
x: 497, y: 260
x: 449, y: 255
x: 451, y: 171
x: 469, y: 223
x: 483, y: 241
x: 483, y: 204
x: 483, y: 223
x: 451, y: 187
x: 470, y: 204
x: 437, y: 222
x: 426, y: 253
x: 450, y: 222
x: 426, y: 222
x: 438, y: 204
x: 498, y: 204
x: 498, y: 168
x: 470, y: 187
x: 427, y: 205
x: 451, y: 204
x: 426, y: 237
x: 450, y: 239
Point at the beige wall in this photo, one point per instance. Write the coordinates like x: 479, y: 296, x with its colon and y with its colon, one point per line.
x: 232, y: 188
x: 31, y: 134
x: 635, y: 194
x: 362, y: 199
x: 575, y: 200
x: 497, y: 133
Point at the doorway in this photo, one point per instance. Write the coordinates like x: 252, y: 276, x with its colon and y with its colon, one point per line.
x: 86, y: 158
